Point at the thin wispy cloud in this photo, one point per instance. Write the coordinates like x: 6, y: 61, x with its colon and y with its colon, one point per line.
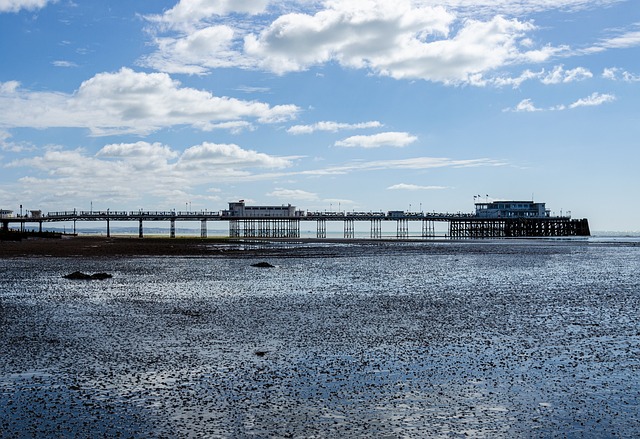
x: 624, y: 40
x: 392, y: 139
x: 594, y: 100
x: 558, y: 75
x: 414, y: 187
x: 62, y: 63
x: 331, y: 127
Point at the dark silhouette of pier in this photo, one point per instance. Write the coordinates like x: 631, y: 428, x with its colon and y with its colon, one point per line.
x: 459, y: 225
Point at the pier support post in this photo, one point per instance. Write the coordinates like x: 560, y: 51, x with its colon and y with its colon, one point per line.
x: 40, y: 229
x: 172, y: 228
x: 376, y: 228
x: 108, y: 229
x: 402, y: 229
x: 203, y: 228
x: 428, y: 229
x: 294, y: 228
x: 5, y: 226
x: 349, y: 232
x: 321, y: 226
x: 234, y: 229
x: 140, y: 234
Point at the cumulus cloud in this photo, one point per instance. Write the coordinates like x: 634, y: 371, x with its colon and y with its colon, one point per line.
x: 396, y: 40
x: 188, y: 12
x: 211, y: 155
x: 158, y: 170
x: 197, y: 52
x: 395, y: 139
x: 132, y: 102
x: 403, y: 39
x: 332, y: 127
x: 18, y: 5
x: 414, y: 187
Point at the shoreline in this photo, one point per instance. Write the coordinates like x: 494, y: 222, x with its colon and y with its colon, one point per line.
x: 94, y: 246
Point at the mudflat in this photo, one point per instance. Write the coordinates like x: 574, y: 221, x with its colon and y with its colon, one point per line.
x: 90, y: 246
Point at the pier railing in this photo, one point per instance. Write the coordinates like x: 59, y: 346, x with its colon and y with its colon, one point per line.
x: 460, y: 225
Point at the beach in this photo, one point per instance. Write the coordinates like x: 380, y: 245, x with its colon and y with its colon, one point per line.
x: 481, y: 339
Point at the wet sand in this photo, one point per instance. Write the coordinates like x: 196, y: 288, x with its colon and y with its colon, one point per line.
x: 494, y: 341
x: 90, y: 246
x: 94, y: 246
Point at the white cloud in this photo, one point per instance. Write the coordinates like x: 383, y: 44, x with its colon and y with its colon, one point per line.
x: 561, y: 76
x: 197, y: 52
x: 211, y: 155
x: 526, y: 105
x: 419, y: 163
x: 332, y: 127
x: 402, y: 39
x: 6, y: 145
x: 414, y: 187
x: 157, y: 170
x: 61, y: 63
x: 623, y: 41
x: 141, y: 155
x: 517, y: 7
x: 527, y: 75
x: 396, y: 40
x: 616, y: 74
x: 395, y: 139
x: 132, y: 102
x: 293, y: 194
x: 189, y: 12
x: 594, y: 100
x: 556, y: 76
x: 18, y: 5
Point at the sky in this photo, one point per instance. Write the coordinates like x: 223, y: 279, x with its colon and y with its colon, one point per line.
x: 352, y: 105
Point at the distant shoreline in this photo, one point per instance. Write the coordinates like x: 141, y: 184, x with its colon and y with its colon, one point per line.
x: 95, y: 246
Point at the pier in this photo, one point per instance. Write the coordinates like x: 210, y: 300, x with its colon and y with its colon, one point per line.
x: 284, y: 221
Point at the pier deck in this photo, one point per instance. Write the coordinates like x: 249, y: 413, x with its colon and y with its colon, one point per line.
x: 460, y: 225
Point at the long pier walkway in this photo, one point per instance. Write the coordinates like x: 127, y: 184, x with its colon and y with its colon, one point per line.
x: 460, y: 225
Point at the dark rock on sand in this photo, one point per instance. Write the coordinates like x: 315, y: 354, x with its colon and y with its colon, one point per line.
x: 263, y: 265
x: 78, y: 275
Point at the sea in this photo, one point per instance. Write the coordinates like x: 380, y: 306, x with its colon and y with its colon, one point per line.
x: 483, y: 339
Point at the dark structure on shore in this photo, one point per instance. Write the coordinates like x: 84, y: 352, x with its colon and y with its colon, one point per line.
x: 498, y: 219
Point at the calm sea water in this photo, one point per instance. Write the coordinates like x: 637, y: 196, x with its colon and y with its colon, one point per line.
x: 491, y: 339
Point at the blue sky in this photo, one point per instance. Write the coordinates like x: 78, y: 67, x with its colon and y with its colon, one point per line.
x: 366, y: 105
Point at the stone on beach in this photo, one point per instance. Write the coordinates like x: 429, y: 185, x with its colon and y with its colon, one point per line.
x: 78, y: 275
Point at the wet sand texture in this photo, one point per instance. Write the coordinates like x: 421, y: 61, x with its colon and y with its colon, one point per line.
x: 419, y: 341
